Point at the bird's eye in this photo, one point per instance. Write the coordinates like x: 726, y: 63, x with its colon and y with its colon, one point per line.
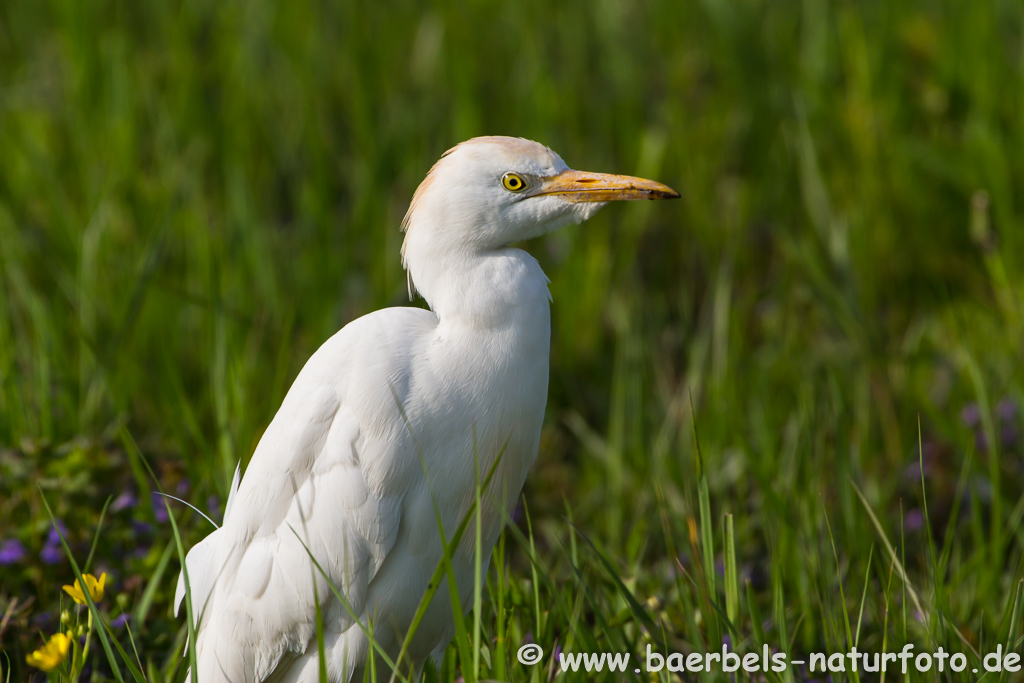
x: 513, y: 182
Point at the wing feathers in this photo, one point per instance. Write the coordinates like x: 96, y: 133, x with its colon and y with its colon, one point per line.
x: 264, y: 594
x: 328, y: 479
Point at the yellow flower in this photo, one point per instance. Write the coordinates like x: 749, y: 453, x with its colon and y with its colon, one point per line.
x: 95, y: 588
x: 50, y: 656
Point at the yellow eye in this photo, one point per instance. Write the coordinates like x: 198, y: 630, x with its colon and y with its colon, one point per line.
x: 513, y: 182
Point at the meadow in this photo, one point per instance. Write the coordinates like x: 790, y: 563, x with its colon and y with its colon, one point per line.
x: 784, y: 410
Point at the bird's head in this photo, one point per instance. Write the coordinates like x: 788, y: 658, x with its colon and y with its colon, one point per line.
x: 490, y: 192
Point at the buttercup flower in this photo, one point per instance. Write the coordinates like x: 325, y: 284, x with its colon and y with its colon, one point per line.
x: 50, y: 656
x: 95, y: 588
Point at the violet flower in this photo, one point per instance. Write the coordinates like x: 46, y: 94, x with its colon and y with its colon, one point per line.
x: 159, y: 509
x: 51, y: 554
x: 11, y: 552
x: 913, y: 520
x: 1006, y: 409
x: 52, y: 537
x: 971, y: 415
x: 125, y: 500
x: 213, y: 507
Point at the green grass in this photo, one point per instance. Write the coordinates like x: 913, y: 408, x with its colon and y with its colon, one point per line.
x: 193, y: 196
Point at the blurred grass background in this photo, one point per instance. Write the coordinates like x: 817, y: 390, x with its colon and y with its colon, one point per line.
x: 194, y: 196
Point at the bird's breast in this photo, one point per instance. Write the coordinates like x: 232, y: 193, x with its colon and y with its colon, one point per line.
x: 488, y: 387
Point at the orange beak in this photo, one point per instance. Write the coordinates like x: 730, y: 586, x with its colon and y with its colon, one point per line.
x: 580, y: 186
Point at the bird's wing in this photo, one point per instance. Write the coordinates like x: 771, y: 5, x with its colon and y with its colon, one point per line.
x: 200, y: 582
x: 313, y: 489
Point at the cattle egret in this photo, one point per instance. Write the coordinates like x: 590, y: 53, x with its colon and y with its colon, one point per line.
x: 392, y: 415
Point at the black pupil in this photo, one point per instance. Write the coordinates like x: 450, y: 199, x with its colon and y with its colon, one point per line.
x: 513, y: 181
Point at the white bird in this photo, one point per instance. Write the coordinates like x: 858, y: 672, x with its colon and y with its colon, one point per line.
x: 386, y: 418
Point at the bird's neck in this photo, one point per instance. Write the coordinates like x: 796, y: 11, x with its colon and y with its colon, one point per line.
x: 482, y: 289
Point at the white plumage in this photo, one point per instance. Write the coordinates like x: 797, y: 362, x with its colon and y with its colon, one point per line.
x: 394, y: 394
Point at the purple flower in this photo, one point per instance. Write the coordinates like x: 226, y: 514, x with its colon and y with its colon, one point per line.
x: 11, y: 551
x: 913, y: 520
x: 141, y: 528
x: 912, y: 472
x: 970, y: 415
x: 182, y: 488
x: 981, y: 442
x: 51, y: 554
x: 1006, y: 409
x: 120, y: 622
x: 159, y: 509
x: 42, y: 620
x: 126, y: 499
x: 1008, y: 434
x: 52, y: 537
x: 213, y: 507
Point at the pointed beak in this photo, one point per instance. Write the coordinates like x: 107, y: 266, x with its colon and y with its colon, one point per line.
x: 580, y: 186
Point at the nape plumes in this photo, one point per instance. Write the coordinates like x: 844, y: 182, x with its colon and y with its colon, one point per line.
x: 392, y: 415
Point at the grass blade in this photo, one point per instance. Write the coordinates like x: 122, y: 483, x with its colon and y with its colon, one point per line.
x: 732, y: 597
